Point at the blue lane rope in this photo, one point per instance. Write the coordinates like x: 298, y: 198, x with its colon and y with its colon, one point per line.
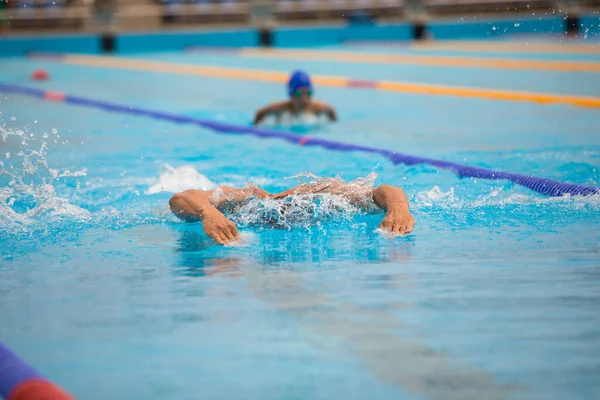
x: 548, y: 187
x: 13, y: 371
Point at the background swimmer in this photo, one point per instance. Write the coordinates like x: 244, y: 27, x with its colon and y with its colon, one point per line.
x: 208, y: 206
x: 300, y: 90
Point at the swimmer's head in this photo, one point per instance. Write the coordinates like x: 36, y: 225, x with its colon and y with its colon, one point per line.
x: 300, y: 87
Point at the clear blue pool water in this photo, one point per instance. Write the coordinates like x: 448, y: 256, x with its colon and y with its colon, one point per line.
x: 495, y: 295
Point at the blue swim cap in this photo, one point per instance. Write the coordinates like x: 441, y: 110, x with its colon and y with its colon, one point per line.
x: 298, y: 80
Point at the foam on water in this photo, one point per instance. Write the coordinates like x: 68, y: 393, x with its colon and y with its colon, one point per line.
x: 178, y: 179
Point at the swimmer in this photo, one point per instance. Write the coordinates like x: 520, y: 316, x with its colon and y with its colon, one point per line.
x: 300, y: 90
x: 208, y: 206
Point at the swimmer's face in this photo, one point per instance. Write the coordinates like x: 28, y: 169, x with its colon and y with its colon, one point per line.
x: 302, y: 97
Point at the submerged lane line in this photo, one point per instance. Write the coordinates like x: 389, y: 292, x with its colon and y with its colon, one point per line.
x: 331, y: 81
x: 548, y: 187
x: 423, y: 60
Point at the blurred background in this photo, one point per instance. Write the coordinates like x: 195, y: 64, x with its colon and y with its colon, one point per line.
x: 128, y: 15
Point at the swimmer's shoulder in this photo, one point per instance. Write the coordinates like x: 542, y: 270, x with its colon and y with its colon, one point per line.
x: 317, y: 106
x: 278, y: 106
x: 321, y: 108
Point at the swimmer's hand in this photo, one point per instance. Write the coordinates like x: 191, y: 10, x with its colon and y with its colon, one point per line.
x: 398, y: 220
x: 218, y: 227
x: 195, y: 205
x: 319, y: 107
x: 394, y: 201
x: 331, y: 114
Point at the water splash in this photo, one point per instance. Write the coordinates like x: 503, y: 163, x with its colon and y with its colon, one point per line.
x: 436, y: 200
x: 28, y: 195
x: 246, y: 239
x: 436, y: 197
x: 308, y: 205
x: 303, y: 123
x: 500, y: 196
x: 178, y: 179
x: 358, y: 191
x: 384, y: 233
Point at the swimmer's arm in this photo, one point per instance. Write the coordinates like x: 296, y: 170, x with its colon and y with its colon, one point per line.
x: 229, y: 195
x: 198, y: 205
x: 191, y: 205
x: 270, y: 109
x: 394, y: 201
x: 324, y: 108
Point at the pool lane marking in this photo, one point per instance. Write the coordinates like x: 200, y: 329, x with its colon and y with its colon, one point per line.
x: 540, y: 98
x: 362, y: 84
x: 422, y: 60
x: 330, y: 81
x: 548, y: 187
x: 463, y: 46
x: 505, y: 47
x: 478, y: 46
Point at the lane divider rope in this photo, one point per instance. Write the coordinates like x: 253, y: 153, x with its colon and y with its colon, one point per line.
x: 19, y: 381
x: 543, y: 186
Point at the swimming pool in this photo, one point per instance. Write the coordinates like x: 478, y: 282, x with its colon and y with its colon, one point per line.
x: 494, y: 295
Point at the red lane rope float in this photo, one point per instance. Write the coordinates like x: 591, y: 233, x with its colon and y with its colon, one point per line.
x: 19, y: 381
